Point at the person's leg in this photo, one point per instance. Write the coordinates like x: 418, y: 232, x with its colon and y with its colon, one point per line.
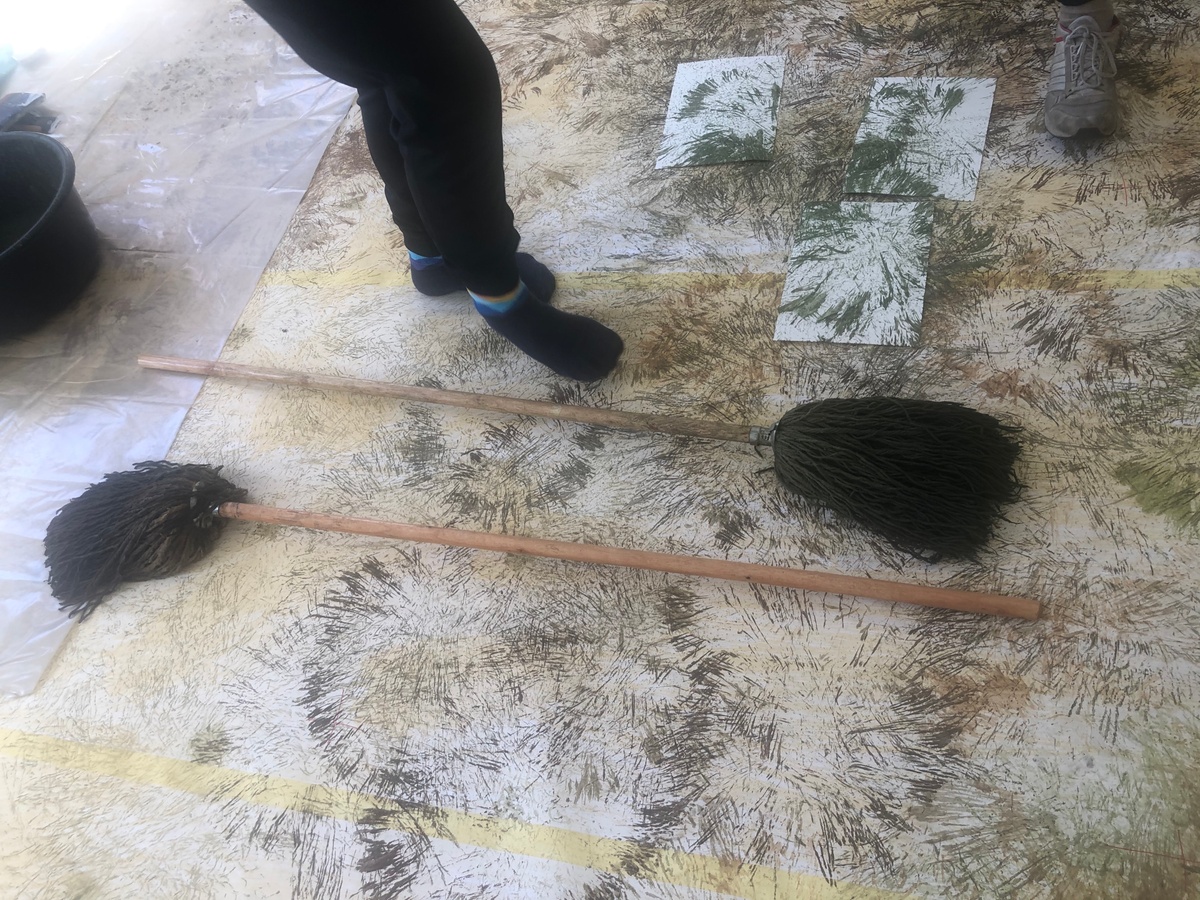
x: 432, y: 114
x: 385, y: 153
x: 1082, y: 91
x: 430, y: 273
x: 442, y: 90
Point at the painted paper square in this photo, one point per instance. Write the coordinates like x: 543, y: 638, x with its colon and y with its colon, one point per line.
x: 857, y: 274
x: 922, y: 137
x: 721, y: 111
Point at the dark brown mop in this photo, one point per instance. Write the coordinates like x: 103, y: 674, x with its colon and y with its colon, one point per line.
x: 161, y: 517
x: 134, y: 526
x: 930, y: 477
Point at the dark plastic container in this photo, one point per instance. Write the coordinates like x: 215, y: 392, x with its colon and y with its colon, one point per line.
x: 49, y: 249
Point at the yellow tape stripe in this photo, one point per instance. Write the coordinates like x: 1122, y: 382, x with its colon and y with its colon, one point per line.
x: 1076, y: 282
x: 506, y: 835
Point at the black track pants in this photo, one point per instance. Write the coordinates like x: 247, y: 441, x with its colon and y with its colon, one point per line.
x: 430, y: 100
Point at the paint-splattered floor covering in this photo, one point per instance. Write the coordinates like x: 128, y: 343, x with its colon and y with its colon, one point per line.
x: 322, y: 716
x: 167, y: 107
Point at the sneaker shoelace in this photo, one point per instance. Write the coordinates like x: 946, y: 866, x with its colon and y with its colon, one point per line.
x: 1091, y: 58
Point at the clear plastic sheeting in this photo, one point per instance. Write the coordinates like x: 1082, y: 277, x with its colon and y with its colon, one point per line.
x: 195, y: 132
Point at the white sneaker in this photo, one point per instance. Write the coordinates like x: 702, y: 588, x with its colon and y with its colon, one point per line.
x: 1082, y: 93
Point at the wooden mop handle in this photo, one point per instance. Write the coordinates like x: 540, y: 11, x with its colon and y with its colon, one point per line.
x: 801, y: 579
x: 608, y: 418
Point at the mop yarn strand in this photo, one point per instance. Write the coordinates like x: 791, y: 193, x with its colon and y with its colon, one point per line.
x: 132, y: 526
x: 928, y: 476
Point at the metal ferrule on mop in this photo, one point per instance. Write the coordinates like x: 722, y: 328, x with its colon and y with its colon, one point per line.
x: 761, y: 435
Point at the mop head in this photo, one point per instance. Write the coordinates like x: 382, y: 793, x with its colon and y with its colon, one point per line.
x: 147, y: 523
x: 930, y: 477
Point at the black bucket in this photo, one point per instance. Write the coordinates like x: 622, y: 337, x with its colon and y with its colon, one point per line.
x: 49, y: 249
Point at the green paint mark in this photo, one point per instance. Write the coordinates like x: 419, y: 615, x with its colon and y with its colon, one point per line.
x: 952, y: 100
x: 963, y: 254
x: 724, y: 147
x: 1165, y: 486
x: 727, y: 112
x: 1187, y: 365
x: 921, y: 138
x: 695, y: 103
x: 857, y: 273
x: 807, y: 304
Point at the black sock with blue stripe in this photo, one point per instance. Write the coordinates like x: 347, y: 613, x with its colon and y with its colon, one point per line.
x: 573, y: 346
